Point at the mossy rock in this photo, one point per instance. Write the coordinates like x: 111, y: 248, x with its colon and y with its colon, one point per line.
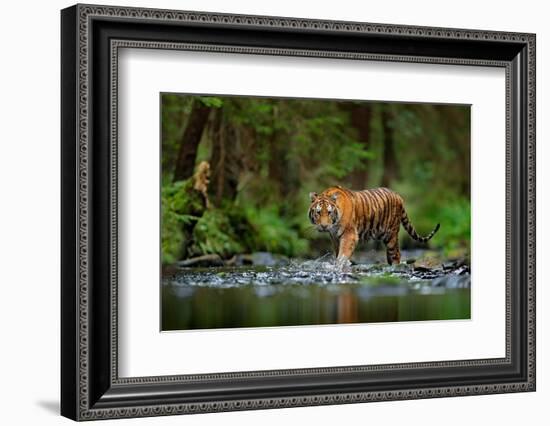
x: 182, y: 207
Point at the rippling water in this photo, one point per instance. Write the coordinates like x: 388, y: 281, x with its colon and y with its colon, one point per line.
x: 309, y: 293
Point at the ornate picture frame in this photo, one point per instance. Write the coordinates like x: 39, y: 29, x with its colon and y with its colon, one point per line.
x: 91, y: 387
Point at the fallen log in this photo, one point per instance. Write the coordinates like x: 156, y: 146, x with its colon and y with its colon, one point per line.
x: 204, y: 260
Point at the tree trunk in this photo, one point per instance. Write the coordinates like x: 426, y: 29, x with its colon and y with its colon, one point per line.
x: 361, y: 115
x: 190, y: 140
x: 390, y: 161
x: 225, y: 160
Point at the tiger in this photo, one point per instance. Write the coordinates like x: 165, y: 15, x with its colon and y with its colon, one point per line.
x: 350, y: 216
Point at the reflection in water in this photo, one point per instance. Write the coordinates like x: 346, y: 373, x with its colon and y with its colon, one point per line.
x: 281, y: 296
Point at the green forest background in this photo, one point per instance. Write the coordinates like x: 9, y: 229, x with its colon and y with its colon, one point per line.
x: 267, y: 154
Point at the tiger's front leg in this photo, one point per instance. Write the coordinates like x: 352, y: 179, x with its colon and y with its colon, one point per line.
x: 335, y: 244
x: 347, y: 244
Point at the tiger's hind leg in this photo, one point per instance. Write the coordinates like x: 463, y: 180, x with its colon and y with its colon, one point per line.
x: 393, y: 255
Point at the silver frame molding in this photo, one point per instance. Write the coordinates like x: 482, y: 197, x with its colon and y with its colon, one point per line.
x: 91, y: 388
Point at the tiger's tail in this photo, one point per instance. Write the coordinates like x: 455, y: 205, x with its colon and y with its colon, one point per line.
x: 412, y: 232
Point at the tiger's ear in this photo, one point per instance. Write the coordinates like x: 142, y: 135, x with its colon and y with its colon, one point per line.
x: 334, y: 196
x: 312, y: 196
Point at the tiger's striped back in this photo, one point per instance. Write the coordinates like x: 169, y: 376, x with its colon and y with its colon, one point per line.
x: 378, y: 213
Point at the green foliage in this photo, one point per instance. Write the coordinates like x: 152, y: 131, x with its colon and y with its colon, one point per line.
x: 455, y: 236
x: 271, y: 232
x: 211, y: 101
x: 171, y: 235
x: 228, y: 231
x: 181, y: 199
x: 426, y: 206
x: 214, y: 234
x: 326, y: 144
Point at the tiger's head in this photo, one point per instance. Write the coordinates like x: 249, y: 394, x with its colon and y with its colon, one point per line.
x: 324, y: 213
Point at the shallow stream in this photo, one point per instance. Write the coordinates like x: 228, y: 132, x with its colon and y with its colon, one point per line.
x: 312, y: 292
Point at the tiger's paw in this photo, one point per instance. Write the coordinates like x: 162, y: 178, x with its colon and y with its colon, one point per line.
x: 343, y: 264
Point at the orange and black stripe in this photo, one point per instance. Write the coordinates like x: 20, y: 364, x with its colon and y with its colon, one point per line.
x: 379, y: 212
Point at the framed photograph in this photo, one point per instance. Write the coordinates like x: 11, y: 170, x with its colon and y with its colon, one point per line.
x: 263, y: 212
